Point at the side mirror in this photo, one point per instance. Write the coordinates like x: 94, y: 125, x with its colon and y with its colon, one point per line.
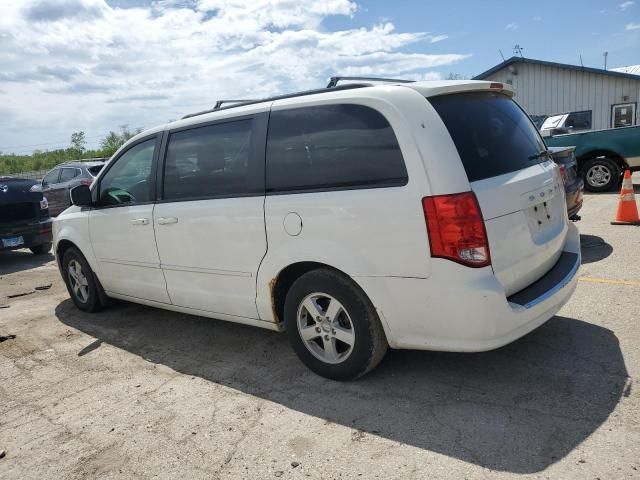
x: 81, y: 196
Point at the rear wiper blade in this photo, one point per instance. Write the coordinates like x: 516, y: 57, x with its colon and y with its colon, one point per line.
x: 543, y: 153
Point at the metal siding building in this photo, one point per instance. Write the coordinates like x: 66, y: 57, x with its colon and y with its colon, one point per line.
x: 546, y: 88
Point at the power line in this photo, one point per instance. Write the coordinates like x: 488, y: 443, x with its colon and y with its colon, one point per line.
x: 45, y: 143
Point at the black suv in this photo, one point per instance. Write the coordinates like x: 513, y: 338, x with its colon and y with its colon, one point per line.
x: 24, y: 216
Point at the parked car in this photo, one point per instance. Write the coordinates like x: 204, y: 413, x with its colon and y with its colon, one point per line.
x: 24, y: 217
x: 58, y: 182
x: 573, y: 184
x: 422, y: 215
x: 603, y: 155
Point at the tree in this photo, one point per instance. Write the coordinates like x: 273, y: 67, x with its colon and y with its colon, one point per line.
x: 454, y: 76
x: 78, y: 142
x: 10, y: 163
x: 114, y: 140
x: 110, y: 143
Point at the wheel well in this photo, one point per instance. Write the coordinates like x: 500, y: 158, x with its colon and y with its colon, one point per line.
x: 602, y: 153
x: 285, y: 279
x: 63, y: 246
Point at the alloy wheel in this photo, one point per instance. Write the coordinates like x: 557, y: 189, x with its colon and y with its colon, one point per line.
x: 326, y: 328
x: 598, y: 176
x: 78, y: 281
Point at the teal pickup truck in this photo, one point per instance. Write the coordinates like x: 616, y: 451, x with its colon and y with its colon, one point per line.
x: 602, y: 155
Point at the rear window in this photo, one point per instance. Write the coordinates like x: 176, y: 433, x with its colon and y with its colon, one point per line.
x: 491, y: 132
x: 332, y: 147
x: 95, y: 170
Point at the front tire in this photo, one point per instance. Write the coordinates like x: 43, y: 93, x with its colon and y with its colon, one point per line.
x: 41, y: 249
x: 80, y: 281
x: 601, y: 174
x: 332, y: 326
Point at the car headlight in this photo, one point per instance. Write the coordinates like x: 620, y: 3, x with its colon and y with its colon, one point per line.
x: 44, y: 203
x: 36, y: 188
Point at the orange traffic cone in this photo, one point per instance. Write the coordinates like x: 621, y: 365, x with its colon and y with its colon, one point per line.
x: 627, y: 208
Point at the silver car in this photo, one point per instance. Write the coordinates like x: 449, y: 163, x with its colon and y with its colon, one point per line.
x: 57, y: 183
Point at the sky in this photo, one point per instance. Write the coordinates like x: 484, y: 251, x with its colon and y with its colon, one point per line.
x: 93, y: 65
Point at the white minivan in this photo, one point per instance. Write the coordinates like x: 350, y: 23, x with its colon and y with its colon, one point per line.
x: 422, y: 215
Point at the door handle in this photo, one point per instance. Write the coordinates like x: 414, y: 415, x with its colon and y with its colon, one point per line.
x: 139, y: 221
x: 167, y: 220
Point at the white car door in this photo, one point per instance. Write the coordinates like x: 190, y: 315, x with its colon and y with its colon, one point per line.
x: 121, y: 226
x: 210, y: 222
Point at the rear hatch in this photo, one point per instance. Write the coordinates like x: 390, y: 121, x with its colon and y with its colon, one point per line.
x: 517, y: 184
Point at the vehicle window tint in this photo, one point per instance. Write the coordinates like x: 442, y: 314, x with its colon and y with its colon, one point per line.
x: 51, y: 177
x: 332, y: 146
x: 579, y: 120
x: 68, y: 174
x: 129, y: 179
x: 491, y: 132
x: 208, y: 161
x: 95, y: 170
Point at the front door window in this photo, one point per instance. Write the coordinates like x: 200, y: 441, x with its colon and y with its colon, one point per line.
x: 129, y: 180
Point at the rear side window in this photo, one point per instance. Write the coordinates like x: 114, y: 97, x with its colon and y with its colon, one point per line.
x: 332, y: 146
x: 208, y: 161
x: 68, y: 174
x: 491, y: 132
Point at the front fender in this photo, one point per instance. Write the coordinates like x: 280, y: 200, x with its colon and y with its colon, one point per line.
x: 73, y: 226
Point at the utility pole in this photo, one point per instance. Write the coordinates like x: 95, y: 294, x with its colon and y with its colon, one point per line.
x: 606, y: 54
x: 517, y: 50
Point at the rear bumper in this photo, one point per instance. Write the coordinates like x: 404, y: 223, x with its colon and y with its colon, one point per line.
x: 34, y: 233
x: 466, y: 310
x: 574, y: 194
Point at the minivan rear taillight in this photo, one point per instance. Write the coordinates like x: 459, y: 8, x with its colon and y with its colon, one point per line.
x: 456, y: 229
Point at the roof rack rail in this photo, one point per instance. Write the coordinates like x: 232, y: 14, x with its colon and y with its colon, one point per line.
x: 333, y: 82
x: 348, y: 86
x: 219, y: 103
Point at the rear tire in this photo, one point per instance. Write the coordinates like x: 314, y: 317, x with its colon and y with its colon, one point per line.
x: 80, y: 281
x: 332, y: 326
x: 601, y: 174
x: 41, y: 249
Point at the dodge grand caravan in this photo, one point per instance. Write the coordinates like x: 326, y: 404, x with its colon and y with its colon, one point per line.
x: 424, y: 215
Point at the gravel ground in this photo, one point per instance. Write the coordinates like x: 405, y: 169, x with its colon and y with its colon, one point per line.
x: 135, y: 392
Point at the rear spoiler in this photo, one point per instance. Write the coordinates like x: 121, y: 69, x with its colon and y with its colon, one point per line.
x: 431, y: 89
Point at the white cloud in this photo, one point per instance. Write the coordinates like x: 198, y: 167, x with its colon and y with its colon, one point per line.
x: 632, y: 26
x: 512, y: 26
x: 627, y: 4
x: 438, y: 38
x: 82, y: 64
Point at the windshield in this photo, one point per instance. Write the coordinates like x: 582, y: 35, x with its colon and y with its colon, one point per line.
x: 492, y: 133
